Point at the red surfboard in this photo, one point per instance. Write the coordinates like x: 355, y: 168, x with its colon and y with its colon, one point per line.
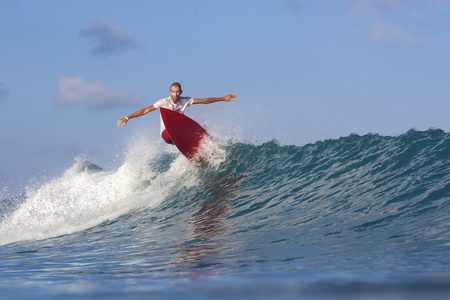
x: 185, y: 133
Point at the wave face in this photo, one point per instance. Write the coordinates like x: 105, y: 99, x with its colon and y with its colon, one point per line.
x: 369, y: 206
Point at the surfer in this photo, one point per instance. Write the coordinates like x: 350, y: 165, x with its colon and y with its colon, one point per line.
x: 174, y: 102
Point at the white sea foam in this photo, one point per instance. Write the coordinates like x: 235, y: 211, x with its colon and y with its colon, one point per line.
x: 86, y: 196
x: 212, y: 151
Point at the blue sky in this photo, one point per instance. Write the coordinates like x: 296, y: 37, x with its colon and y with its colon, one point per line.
x: 302, y: 70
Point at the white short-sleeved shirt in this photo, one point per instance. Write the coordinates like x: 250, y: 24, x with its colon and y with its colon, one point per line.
x: 183, y: 102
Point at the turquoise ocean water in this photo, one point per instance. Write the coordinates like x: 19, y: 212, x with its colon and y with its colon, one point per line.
x: 350, y: 218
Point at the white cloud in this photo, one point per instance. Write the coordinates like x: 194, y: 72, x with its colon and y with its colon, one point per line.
x: 405, y: 13
x: 77, y: 90
x: 366, y: 7
x: 3, y: 90
x: 435, y: 3
x: 373, y: 7
x: 385, y: 33
x: 108, y: 37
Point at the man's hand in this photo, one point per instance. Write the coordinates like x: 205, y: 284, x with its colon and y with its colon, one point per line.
x: 121, y: 122
x: 229, y: 97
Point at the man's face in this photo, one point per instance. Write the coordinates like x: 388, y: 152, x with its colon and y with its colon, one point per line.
x: 175, y: 93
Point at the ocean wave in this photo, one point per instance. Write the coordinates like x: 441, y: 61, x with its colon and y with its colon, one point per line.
x: 355, y: 191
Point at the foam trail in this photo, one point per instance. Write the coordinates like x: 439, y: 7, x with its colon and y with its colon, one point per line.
x: 211, y: 152
x: 86, y: 196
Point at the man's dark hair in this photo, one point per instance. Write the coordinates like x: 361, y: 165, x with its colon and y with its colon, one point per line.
x: 176, y: 84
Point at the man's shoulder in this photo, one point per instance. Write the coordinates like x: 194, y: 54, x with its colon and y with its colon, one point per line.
x: 162, y: 101
x: 185, y: 99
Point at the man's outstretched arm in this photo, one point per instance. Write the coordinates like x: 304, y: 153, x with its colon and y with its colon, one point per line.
x: 139, y: 113
x: 229, y: 97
